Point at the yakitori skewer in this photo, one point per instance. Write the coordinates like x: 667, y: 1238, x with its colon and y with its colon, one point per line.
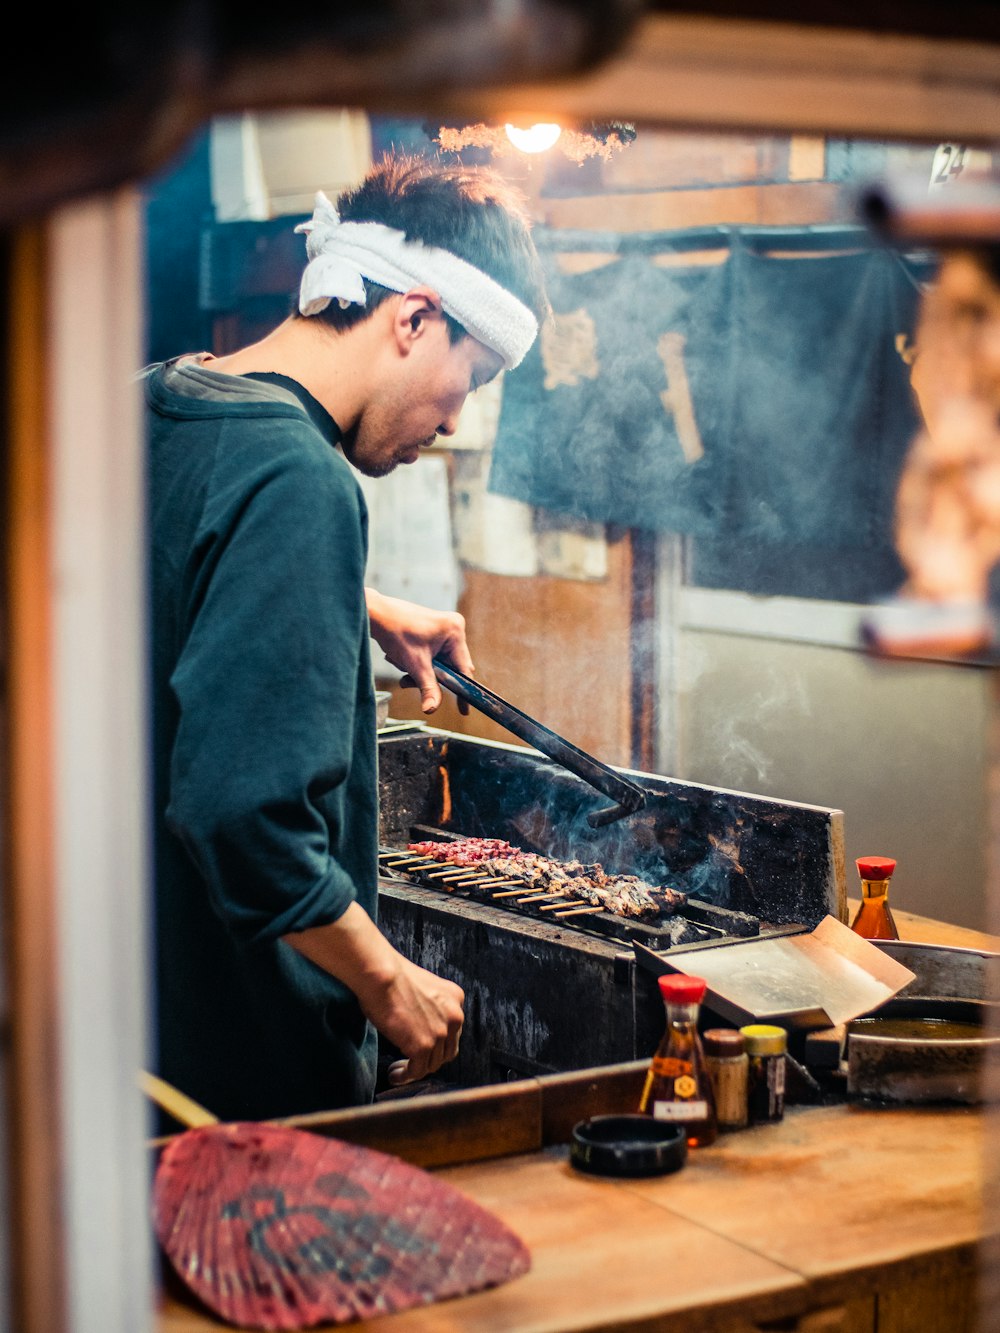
x: 577, y: 911
x: 483, y: 881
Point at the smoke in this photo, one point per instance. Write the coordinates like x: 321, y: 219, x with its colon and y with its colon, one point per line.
x: 738, y: 755
x: 778, y: 705
x: 739, y: 713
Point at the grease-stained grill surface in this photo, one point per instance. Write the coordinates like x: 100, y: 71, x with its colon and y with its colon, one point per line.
x: 277, y: 1228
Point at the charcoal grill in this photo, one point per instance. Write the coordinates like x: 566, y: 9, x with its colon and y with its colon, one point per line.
x: 546, y: 991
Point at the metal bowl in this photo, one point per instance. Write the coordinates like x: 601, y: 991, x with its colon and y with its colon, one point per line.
x: 951, y: 986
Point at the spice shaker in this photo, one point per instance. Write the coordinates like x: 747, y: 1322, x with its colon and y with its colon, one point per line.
x: 766, y: 1047
x: 728, y: 1066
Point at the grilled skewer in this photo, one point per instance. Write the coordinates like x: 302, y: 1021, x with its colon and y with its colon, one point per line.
x: 561, y: 901
x: 536, y: 876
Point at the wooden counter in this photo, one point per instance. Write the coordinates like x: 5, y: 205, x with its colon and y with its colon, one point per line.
x: 841, y: 1219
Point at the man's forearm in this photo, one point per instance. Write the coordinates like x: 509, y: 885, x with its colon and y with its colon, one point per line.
x: 352, y: 949
x: 374, y: 601
x: 420, y: 1013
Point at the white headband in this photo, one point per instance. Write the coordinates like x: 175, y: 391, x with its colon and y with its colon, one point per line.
x: 342, y: 253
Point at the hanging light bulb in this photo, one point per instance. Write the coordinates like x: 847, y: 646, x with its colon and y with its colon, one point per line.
x: 536, y: 139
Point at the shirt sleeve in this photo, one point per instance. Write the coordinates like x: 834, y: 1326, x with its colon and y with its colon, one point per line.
x: 267, y: 687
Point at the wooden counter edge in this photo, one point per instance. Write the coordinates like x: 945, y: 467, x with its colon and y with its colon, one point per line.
x: 477, y: 1124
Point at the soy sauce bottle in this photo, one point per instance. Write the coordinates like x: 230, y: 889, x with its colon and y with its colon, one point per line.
x: 873, y: 919
x: 678, y: 1086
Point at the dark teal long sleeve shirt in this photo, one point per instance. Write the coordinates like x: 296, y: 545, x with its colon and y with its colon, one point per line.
x: 265, y: 782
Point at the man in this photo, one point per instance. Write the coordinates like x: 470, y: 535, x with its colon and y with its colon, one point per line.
x: 272, y: 975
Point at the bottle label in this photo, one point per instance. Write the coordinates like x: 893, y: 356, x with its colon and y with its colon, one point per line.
x: 680, y: 1111
x: 766, y: 1091
x: 670, y: 1067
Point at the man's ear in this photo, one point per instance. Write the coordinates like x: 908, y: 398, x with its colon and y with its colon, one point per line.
x: 417, y: 310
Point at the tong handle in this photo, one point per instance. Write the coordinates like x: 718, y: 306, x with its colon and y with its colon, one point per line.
x: 602, y: 777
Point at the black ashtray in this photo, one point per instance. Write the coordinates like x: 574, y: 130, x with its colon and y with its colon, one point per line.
x: 627, y: 1145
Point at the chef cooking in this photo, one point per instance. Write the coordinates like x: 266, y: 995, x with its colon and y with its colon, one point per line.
x: 273, y: 978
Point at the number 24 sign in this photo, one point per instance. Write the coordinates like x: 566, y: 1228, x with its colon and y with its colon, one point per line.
x: 949, y: 162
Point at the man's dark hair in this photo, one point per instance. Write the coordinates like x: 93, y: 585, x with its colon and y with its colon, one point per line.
x: 471, y: 211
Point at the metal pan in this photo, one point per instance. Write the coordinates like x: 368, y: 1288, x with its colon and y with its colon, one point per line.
x: 804, y: 981
x: 628, y: 796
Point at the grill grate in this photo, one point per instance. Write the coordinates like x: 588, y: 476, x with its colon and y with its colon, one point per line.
x: 693, y: 923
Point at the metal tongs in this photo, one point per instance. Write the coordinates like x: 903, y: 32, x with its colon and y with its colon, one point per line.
x: 602, y: 777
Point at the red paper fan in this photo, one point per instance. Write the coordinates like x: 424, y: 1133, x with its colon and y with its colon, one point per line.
x: 276, y: 1228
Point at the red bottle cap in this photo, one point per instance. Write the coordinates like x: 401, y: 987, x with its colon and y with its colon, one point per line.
x: 875, y: 867
x: 678, y: 988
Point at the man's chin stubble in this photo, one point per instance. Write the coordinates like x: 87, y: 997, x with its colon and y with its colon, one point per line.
x: 382, y: 468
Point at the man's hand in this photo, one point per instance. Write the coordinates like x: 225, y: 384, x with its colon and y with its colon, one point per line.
x: 420, y: 1013
x: 411, y: 635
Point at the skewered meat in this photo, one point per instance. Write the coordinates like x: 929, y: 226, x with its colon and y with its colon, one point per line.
x: 465, y: 851
x: 624, y: 895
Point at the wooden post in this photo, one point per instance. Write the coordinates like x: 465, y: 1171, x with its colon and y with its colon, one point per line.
x: 35, y: 1132
x: 74, y: 879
